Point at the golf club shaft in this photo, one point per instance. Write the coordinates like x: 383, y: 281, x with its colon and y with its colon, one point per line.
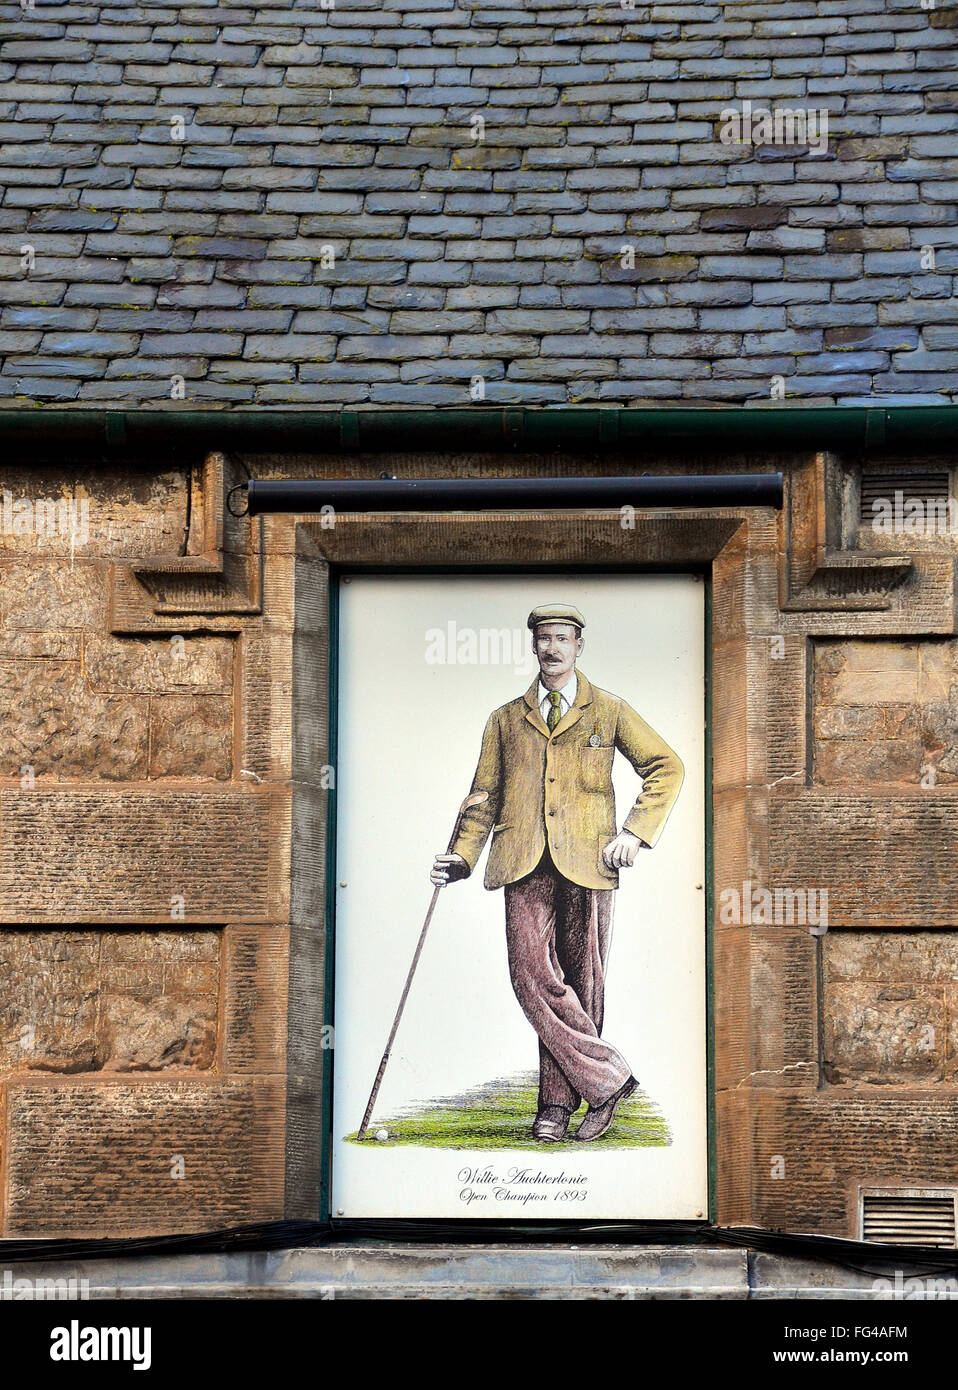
x: 402, y: 1002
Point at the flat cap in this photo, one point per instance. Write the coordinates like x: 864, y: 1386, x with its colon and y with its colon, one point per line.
x: 555, y: 613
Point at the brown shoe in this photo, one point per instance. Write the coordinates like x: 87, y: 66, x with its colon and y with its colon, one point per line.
x: 598, y: 1118
x: 551, y: 1124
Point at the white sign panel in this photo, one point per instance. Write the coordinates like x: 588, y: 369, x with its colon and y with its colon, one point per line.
x: 529, y: 752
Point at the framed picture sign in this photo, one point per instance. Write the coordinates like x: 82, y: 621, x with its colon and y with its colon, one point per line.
x: 520, y: 914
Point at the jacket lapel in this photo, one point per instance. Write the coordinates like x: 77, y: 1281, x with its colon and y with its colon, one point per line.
x: 583, y: 697
x: 533, y: 713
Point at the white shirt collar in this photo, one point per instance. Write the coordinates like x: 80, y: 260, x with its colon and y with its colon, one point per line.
x: 566, y: 695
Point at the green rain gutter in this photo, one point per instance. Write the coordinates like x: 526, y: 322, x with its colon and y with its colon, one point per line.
x: 891, y: 429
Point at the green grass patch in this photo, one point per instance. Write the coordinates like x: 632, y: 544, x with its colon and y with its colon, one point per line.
x: 499, y: 1115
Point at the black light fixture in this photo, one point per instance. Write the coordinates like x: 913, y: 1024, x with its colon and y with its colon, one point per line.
x: 510, y: 494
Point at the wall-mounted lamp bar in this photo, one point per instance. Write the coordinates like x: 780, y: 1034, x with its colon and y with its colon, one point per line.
x: 509, y: 494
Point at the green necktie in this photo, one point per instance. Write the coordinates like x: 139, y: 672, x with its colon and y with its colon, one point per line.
x: 555, y: 713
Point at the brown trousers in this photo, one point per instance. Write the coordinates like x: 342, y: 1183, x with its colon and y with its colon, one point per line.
x: 558, y: 937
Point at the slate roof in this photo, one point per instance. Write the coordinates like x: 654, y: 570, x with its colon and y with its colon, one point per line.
x: 193, y: 264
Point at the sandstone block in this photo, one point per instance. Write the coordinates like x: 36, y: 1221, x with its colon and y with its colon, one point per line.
x: 52, y: 722
x: 191, y: 736
x: 146, y: 666
x: 108, y: 1001
x: 92, y: 1159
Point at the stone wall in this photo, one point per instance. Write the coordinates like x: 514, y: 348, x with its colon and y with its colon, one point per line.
x: 426, y: 202
x: 143, y: 979
x: 163, y: 823
x: 111, y: 1001
x: 886, y: 712
x: 890, y: 1008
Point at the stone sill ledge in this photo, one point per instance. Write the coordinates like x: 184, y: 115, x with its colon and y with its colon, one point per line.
x: 447, y: 1272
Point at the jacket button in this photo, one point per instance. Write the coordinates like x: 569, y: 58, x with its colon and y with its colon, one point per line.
x: 552, y: 813
x: 551, y: 779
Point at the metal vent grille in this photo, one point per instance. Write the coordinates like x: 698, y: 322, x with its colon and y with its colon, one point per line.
x: 900, y: 1219
x: 933, y: 485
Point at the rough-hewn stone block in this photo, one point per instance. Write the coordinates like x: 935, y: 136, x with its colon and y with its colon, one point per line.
x: 145, y: 666
x: 191, y: 736
x: 886, y: 712
x: 888, y: 1007
x: 79, y: 1001
x: 53, y: 725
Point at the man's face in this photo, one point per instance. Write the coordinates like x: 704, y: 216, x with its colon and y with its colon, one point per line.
x: 556, y: 647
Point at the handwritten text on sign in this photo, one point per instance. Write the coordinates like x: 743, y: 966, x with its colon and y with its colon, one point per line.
x: 520, y: 1186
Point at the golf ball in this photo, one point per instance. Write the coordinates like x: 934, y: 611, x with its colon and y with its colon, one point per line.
x: 382, y: 1135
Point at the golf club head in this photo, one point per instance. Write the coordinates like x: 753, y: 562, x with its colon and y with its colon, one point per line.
x: 475, y: 800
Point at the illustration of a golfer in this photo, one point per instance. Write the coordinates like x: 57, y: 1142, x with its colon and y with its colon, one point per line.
x: 543, y: 791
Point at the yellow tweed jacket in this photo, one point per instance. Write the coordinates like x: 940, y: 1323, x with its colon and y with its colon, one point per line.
x: 556, y: 789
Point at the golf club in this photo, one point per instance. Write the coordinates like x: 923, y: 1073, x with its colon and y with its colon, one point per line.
x: 474, y: 800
